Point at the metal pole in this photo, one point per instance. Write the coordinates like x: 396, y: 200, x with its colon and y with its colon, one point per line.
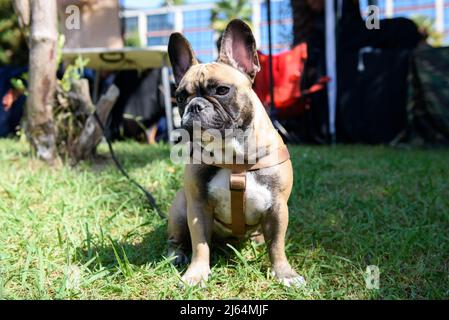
x: 270, y: 58
x: 439, y: 15
x: 167, y: 102
x: 331, y: 66
x: 389, y: 8
x: 142, y: 28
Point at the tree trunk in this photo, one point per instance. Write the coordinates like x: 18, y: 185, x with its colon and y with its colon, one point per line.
x: 42, y: 80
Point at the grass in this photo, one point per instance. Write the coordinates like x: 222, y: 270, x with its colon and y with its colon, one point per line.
x: 86, y: 233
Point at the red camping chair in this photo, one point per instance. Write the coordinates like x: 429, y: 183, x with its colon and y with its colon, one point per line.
x: 288, y: 69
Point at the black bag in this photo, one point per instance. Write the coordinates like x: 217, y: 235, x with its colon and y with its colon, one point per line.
x: 372, y: 95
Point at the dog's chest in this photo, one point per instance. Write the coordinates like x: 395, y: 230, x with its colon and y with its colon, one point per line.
x: 258, y: 198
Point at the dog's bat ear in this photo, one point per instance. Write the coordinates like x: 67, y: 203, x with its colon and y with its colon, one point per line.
x: 238, y: 48
x: 181, y: 55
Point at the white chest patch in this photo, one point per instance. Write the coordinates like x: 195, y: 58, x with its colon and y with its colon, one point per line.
x: 258, y: 198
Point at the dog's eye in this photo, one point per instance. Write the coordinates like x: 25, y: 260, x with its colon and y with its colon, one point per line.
x: 180, y: 98
x: 222, y: 90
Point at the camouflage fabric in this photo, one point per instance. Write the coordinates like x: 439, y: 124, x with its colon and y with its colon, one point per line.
x: 428, y: 106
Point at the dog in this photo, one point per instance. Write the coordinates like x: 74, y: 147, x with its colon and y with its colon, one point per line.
x: 228, y: 201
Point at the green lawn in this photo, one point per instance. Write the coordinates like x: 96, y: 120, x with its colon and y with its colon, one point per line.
x: 86, y: 233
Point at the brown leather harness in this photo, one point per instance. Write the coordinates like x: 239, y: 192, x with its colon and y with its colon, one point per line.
x: 237, y: 185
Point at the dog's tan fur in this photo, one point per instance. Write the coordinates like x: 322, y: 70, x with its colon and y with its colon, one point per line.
x: 191, y: 217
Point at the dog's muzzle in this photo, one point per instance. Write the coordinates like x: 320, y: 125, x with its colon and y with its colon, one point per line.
x: 196, y: 106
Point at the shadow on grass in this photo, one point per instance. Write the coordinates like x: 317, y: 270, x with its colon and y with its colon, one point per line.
x: 150, y: 248
x: 110, y: 253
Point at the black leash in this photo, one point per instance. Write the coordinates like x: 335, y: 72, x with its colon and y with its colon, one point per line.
x: 119, y: 166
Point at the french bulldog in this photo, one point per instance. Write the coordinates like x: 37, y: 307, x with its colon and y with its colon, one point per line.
x: 219, y: 96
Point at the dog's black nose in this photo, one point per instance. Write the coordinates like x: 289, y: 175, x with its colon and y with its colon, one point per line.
x: 198, y: 105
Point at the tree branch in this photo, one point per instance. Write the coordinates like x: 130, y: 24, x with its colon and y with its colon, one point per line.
x: 22, y: 9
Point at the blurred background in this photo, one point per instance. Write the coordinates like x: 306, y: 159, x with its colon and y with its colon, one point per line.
x: 334, y: 78
x: 152, y: 22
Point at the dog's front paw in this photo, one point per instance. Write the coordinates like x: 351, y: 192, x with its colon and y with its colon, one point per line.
x: 196, y: 274
x: 288, y: 277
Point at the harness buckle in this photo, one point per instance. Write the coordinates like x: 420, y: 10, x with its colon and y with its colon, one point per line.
x: 237, y: 181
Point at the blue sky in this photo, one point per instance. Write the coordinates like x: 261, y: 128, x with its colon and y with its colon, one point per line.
x: 152, y: 3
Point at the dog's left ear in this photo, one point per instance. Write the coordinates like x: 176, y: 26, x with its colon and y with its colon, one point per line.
x: 238, y: 48
x: 181, y: 55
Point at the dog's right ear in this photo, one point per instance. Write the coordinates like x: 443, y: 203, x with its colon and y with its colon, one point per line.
x: 181, y: 55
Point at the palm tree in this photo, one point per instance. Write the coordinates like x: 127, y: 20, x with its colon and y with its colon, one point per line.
x: 226, y: 10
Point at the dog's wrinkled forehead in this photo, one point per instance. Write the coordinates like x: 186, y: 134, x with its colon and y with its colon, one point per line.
x: 213, y: 74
